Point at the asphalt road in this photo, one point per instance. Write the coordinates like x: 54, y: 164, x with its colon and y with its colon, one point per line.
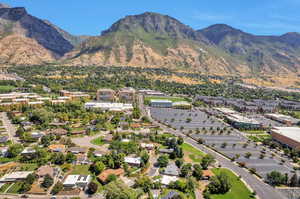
x: 10, y: 128
x: 263, y: 190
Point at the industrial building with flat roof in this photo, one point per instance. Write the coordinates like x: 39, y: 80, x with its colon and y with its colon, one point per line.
x: 161, y: 103
x: 287, y: 136
x: 285, y: 119
x: 116, y: 107
x: 242, y: 122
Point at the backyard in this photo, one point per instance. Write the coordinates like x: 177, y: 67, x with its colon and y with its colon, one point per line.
x: 81, y: 170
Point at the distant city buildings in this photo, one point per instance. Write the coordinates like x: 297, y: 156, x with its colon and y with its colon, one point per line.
x: 109, y: 95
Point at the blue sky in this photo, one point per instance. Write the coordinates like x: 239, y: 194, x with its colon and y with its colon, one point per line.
x: 90, y: 17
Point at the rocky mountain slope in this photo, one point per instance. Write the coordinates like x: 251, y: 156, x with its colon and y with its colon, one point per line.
x: 263, y: 54
x: 153, y: 40
x: 29, y: 40
x: 149, y: 40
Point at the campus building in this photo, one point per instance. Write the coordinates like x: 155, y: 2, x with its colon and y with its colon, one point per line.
x: 287, y: 136
x: 285, y: 119
x: 116, y: 107
x: 161, y: 103
x: 126, y: 95
x: 241, y: 122
x: 106, y: 95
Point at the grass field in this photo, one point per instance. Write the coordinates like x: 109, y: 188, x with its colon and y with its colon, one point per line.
x: 81, y: 170
x: 193, y: 153
x: 98, y: 141
x: 6, y: 88
x: 259, y: 138
x: 173, y: 99
x: 29, y: 167
x: 238, y: 190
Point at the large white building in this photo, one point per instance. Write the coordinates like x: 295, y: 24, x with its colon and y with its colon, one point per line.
x: 288, y: 136
x: 285, y: 119
x: 15, y: 176
x: 77, y: 181
x: 108, y: 106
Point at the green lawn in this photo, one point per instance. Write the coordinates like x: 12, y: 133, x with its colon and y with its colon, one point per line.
x: 15, y: 187
x: 173, y: 99
x: 255, y: 132
x: 259, y: 138
x: 29, y: 167
x: 98, y: 141
x: 195, y: 154
x: 81, y: 169
x: 6, y: 88
x: 238, y: 190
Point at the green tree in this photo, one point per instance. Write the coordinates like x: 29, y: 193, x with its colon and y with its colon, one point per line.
x: 219, y: 184
x: 275, y: 178
x: 57, y: 188
x: 92, y: 188
x: 97, y: 167
x: 48, y: 181
x: 186, y: 170
x: 207, y: 160
x: 70, y: 157
x: 163, y: 161
x: 197, y: 172
x: 143, y: 182
x: 14, y: 150
x: 58, y: 158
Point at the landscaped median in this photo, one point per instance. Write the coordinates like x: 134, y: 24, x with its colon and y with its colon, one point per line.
x: 192, y: 153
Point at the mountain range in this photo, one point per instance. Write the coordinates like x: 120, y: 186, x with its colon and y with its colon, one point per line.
x: 148, y: 40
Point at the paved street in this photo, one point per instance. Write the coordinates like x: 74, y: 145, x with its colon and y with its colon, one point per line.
x: 11, y: 129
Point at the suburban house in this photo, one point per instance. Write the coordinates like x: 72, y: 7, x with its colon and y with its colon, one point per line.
x: 73, y: 181
x: 15, y: 176
x: 58, y: 131
x: 104, y: 175
x: 57, y: 147
x: 147, y: 146
x: 168, y: 151
x: 77, y: 150
x: 82, y: 159
x: 171, y: 170
x: 44, y: 170
x: 133, y: 161
x: 99, y: 153
x: 166, y: 180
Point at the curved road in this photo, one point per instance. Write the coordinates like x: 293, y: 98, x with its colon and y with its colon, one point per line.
x: 263, y: 190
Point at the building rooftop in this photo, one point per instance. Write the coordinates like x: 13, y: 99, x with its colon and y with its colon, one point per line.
x: 290, y: 132
x: 226, y: 110
x: 242, y: 119
x: 160, y: 101
x: 131, y: 160
x: 104, y: 175
x: 74, y: 179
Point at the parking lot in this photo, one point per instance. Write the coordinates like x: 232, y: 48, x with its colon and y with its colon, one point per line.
x: 218, y: 135
x: 189, y: 119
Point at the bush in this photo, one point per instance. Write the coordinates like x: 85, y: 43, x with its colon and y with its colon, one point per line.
x: 92, y: 188
x: 57, y: 188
